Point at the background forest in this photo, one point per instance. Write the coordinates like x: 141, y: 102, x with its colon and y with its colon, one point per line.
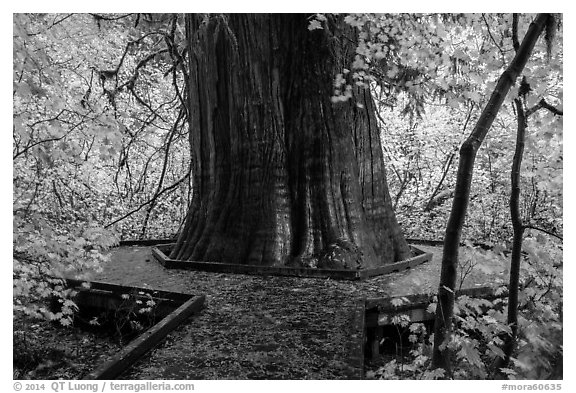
x: 101, y: 151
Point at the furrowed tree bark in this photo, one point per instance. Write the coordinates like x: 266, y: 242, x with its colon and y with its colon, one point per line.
x: 282, y: 175
x: 445, y: 308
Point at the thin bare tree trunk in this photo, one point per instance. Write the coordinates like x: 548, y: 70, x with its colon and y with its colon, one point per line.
x: 445, y: 308
x: 518, y: 229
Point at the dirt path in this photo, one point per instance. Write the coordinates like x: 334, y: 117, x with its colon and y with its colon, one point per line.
x: 257, y: 327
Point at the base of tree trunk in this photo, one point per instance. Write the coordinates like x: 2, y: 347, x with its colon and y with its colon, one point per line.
x: 282, y: 175
x: 161, y: 253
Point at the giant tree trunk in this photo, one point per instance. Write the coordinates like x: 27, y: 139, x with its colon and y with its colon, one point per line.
x: 282, y: 175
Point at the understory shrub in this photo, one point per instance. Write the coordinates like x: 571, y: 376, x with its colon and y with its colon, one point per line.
x: 480, y: 328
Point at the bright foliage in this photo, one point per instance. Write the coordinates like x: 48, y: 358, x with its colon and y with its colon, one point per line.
x: 86, y: 153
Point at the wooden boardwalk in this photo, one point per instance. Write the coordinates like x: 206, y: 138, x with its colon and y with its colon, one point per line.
x: 259, y: 327
x: 253, y: 327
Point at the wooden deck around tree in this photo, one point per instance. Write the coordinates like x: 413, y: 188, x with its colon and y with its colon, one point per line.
x: 160, y: 253
x: 275, y: 327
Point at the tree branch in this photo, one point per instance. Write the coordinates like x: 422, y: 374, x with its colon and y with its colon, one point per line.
x: 492, y: 37
x: 545, y: 105
x: 544, y: 231
x: 515, y: 41
x: 151, y: 200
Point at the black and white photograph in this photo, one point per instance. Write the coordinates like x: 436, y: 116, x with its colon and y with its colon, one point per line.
x: 287, y: 196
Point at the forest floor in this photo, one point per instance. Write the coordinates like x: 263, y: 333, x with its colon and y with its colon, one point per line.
x: 263, y: 327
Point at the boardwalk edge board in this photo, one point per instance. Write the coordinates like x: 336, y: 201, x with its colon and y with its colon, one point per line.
x: 146, y: 242
x: 356, y: 340
x: 173, y: 307
x: 380, y: 312
x: 123, y: 360
x: 119, y: 289
x: 159, y: 252
x: 424, y: 242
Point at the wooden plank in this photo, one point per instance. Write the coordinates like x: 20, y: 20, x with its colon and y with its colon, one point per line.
x: 398, y: 266
x: 122, y: 289
x: 147, y: 242
x: 414, y: 315
x: 137, y: 348
x: 385, y: 304
x: 411, y: 301
x: 440, y: 243
x: 220, y: 267
x: 355, y: 347
x: 374, y: 342
x: 89, y: 299
x: 159, y: 255
x: 426, y: 242
x: 380, y: 311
